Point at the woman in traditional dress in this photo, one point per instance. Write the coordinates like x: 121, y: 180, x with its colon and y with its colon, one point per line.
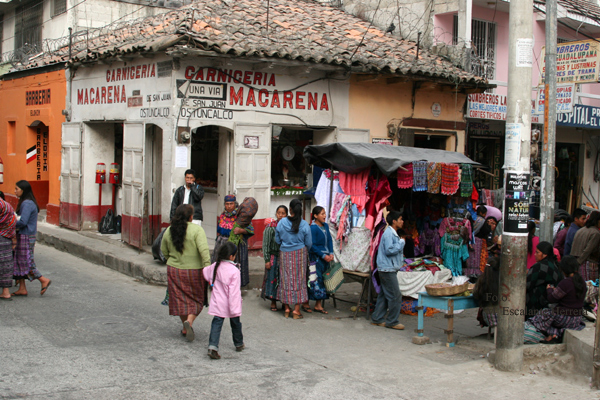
x: 225, y: 223
x: 294, y: 239
x: 478, y: 253
x: 492, y: 238
x: 8, y: 240
x: 541, y: 274
x: 586, y: 247
x: 271, y: 254
x: 185, y: 247
x: 321, y: 252
x: 241, y: 232
x: 486, y: 292
x: 25, y: 268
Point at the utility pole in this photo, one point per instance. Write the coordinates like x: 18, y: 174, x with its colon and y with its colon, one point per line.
x: 509, y: 343
x: 549, y: 140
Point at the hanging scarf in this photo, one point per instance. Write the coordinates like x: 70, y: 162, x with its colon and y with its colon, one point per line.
x: 434, y: 177
x: 405, y: 178
x: 450, y: 178
x: 420, y: 176
x: 466, y: 180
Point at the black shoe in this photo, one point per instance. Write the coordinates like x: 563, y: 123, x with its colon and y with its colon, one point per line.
x: 214, y: 355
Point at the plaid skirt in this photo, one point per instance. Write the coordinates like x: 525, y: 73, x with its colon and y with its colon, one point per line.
x: 6, y: 262
x: 271, y: 280
x: 187, y: 289
x: 589, y: 271
x: 549, y: 323
x: 24, y: 262
x: 292, y: 277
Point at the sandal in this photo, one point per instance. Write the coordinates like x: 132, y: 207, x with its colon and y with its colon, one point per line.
x: 321, y: 310
x: 274, y: 307
x: 287, y: 314
x: 307, y: 309
x: 297, y: 316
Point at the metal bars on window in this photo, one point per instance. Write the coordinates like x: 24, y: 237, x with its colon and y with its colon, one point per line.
x: 483, y: 46
x: 28, y: 25
x: 59, y: 7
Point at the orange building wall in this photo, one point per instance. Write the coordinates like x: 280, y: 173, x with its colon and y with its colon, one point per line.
x: 374, y: 103
x: 28, y: 112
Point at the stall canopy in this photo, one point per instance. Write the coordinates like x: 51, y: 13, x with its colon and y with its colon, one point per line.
x: 355, y: 157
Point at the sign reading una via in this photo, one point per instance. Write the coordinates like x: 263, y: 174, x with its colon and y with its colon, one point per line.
x: 201, y: 90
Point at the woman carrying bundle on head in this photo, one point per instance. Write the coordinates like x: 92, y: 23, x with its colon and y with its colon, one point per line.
x: 294, y: 239
x: 185, y: 247
x: 226, y: 299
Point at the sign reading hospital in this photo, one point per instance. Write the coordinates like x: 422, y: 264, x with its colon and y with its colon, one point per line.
x: 576, y: 62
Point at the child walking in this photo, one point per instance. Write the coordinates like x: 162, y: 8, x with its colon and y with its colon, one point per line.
x: 226, y: 299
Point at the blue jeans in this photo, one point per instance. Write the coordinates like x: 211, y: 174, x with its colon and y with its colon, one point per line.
x: 215, y: 332
x: 389, y: 299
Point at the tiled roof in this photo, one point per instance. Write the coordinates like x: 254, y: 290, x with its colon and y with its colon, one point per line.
x: 584, y: 8
x: 297, y: 30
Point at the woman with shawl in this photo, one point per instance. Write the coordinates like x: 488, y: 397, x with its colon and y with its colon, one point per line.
x: 241, y: 231
x: 478, y: 254
x: 225, y: 223
x: 271, y: 254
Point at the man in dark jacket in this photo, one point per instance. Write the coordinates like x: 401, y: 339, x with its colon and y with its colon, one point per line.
x: 191, y: 193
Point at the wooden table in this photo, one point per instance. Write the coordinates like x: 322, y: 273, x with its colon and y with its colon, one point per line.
x: 365, y: 280
x: 449, y: 303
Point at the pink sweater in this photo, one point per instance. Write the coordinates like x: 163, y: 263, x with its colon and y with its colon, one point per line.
x: 226, y: 298
x: 531, y: 257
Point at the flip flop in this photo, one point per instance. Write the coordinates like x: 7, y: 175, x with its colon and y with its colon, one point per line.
x: 322, y: 311
x: 19, y: 294
x: 190, y: 332
x: 274, y: 309
x: 183, y: 334
x: 307, y: 309
x: 45, y: 288
x: 6, y: 298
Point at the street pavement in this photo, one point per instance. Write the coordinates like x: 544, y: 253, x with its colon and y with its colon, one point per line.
x: 98, y: 334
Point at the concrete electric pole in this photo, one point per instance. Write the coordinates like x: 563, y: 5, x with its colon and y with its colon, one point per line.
x: 509, y: 343
x: 549, y: 139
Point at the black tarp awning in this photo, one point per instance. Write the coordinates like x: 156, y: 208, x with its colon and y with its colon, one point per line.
x: 355, y: 157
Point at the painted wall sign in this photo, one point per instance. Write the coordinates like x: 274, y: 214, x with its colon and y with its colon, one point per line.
x: 486, y: 129
x: 436, y: 109
x: 251, y: 142
x: 581, y: 117
x: 136, y: 101
x: 576, y: 62
x: 516, y: 203
x: 492, y: 106
x: 383, y: 141
x: 565, y: 97
x: 37, y: 97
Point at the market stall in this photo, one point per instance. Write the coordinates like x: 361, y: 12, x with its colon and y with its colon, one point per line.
x: 432, y: 188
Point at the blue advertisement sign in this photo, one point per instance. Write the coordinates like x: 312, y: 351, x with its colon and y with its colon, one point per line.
x: 581, y: 117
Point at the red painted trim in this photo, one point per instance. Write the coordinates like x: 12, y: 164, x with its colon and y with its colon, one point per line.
x: 53, y: 214
x: 11, y: 199
x: 41, y: 190
x: 255, y: 242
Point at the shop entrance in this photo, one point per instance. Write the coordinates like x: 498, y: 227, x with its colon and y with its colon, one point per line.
x: 211, y: 159
x: 567, y: 179
x: 489, y: 152
x: 153, y: 183
x: 37, y: 162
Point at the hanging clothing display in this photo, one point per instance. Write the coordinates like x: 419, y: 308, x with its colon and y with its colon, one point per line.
x: 355, y: 185
x: 434, y: 177
x: 322, y: 193
x: 450, y: 179
x: 454, y: 252
x: 379, y: 193
x: 466, y: 180
x: 429, y: 242
x: 420, y: 176
x: 405, y: 176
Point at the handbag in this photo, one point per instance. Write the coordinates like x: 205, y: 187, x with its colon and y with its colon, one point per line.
x: 333, y: 277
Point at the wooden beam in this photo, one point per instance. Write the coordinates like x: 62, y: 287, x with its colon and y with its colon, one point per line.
x: 435, y: 124
x: 398, y: 79
x: 366, y: 77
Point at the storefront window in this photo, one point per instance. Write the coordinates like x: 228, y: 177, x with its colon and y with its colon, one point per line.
x: 205, y: 155
x: 289, y: 169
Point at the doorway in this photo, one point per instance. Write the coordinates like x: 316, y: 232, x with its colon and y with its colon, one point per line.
x: 567, y: 175
x: 153, y: 183
x: 488, y: 152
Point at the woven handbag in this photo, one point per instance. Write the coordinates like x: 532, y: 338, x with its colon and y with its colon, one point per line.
x: 333, y: 277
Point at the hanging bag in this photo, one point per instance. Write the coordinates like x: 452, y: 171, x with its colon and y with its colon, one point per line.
x: 333, y: 277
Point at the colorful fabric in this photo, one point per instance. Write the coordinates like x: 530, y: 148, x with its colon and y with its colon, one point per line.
x: 241, y: 258
x: 434, y: 177
x: 6, y: 263
x: 23, y: 260
x: 489, y: 319
x: 379, y: 193
x: 225, y: 223
x: 429, y: 242
x: 589, y: 271
x: 454, y: 252
x: 236, y: 239
x: 292, y: 277
x: 477, y: 258
x: 420, y: 176
x: 8, y: 221
x: 187, y: 289
x: 271, y: 254
x: 466, y: 180
x: 405, y: 176
x: 532, y: 335
x: 409, y: 307
x: 450, y: 178
x: 539, y: 276
x: 354, y: 185
x: 229, y: 198
x: 550, y: 323
x: 246, y: 211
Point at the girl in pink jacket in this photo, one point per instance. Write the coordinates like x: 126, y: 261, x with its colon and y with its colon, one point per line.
x: 226, y: 300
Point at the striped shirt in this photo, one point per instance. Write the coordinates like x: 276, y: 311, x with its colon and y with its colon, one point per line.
x: 8, y: 221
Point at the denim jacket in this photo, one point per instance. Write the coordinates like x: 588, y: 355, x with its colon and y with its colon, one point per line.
x: 389, y: 255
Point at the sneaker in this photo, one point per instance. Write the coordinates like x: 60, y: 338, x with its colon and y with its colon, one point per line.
x: 214, y: 354
x: 399, y: 327
x: 378, y: 324
x: 240, y: 348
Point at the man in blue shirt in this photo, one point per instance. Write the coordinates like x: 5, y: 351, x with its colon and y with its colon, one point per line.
x: 579, y: 217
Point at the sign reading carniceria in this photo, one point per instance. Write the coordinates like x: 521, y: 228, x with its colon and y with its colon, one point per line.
x: 576, y: 62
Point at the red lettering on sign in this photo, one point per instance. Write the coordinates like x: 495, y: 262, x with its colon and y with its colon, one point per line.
x: 189, y: 72
x: 324, y: 103
x: 257, y: 78
x: 288, y: 97
x: 210, y: 74
x: 265, y: 102
x: 300, y: 100
x: 236, y: 98
x: 275, y: 99
x: 250, y: 99
x: 247, y: 78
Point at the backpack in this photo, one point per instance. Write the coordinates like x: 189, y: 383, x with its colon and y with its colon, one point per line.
x: 156, y: 251
x: 107, y: 223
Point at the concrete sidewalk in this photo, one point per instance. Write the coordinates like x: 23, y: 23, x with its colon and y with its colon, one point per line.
x: 111, y: 252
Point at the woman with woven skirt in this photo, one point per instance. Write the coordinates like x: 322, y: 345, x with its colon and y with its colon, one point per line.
x: 225, y: 223
x: 25, y: 268
x: 321, y: 252
x: 8, y: 240
x: 294, y: 239
x: 271, y: 254
x: 478, y: 254
x: 586, y: 247
x: 541, y: 274
x: 185, y: 247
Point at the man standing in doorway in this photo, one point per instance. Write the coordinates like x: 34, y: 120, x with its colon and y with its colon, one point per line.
x: 191, y: 193
x: 579, y: 217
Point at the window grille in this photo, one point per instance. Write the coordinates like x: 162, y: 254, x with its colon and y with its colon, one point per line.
x: 28, y: 25
x: 59, y: 7
x: 483, y: 43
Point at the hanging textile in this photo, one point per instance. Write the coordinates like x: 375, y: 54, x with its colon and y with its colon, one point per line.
x: 322, y: 193
x: 419, y: 176
x: 378, y: 196
x: 354, y: 185
x: 450, y: 178
x: 434, y: 177
x: 405, y: 178
x: 338, y: 202
x: 429, y: 242
x: 466, y: 180
x: 454, y: 252
x: 475, y: 195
